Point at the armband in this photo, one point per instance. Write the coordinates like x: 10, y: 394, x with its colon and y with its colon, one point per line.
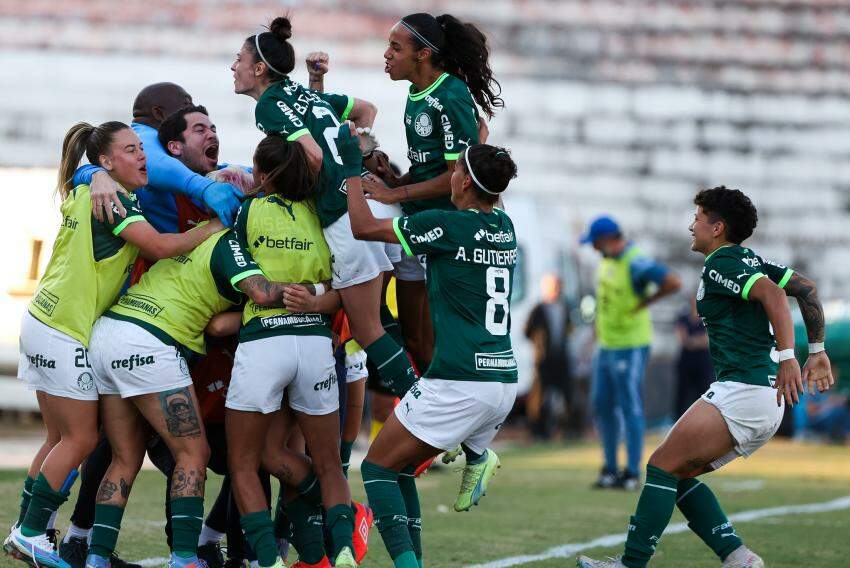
x: 786, y: 354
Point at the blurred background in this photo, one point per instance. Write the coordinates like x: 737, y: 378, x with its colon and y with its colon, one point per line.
x: 624, y: 108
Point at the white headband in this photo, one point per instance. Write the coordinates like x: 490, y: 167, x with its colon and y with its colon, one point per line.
x: 472, y: 175
x: 419, y: 36
x: 260, y: 53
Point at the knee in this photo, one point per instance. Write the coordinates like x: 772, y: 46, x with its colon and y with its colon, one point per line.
x: 197, y: 455
x: 83, y: 443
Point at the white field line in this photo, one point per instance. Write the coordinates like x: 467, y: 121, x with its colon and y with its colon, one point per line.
x: 569, y: 550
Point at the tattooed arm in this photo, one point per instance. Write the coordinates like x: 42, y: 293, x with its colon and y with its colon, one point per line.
x: 817, y: 370
x: 271, y: 294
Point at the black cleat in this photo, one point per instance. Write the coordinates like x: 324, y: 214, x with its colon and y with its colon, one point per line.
x: 211, y: 554
x: 607, y: 480
x: 75, y: 551
x: 116, y: 561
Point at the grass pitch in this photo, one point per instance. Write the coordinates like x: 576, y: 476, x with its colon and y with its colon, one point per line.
x: 541, y: 499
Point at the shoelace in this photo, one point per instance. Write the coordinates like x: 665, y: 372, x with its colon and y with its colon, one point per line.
x: 470, y: 478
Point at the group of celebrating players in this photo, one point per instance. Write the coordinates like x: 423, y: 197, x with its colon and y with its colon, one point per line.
x: 221, y: 316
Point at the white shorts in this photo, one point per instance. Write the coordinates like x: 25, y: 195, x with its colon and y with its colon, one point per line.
x: 445, y: 413
x: 53, y: 362
x: 355, y: 261
x: 410, y: 268
x: 355, y: 366
x: 128, y: 360
x: 302, y: 364
x: 750, y: 412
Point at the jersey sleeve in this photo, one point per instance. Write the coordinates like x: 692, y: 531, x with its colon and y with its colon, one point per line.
x: 459, y: 122
x: 240, y: 226
x: 342, y: 104
x: 423, y: 233
x: 778, y: 273
x: 231, y: 263
x: 276, y: 116
x: 731, y: 276
x: 134, y: 214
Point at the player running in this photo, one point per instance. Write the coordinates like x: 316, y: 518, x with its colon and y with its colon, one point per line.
x: 281, y: 350
x: 447, y: 64
x: 88, y: 266
x: 311, y: 118
x: 742, y: 300
x: 470, y: 386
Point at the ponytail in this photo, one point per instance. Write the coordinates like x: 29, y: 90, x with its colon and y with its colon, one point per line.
x: 273, y: 48
x: 459, y: 49
x: 285, y: 164
x: 84, y: 138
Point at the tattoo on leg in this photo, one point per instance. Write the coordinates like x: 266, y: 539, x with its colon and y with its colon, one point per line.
x: 125, y: 489
x: 106, y: 492
x: 187, y: 483
x: 181, y: 417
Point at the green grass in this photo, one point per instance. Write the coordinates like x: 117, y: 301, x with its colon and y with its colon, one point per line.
x: 541, y: 498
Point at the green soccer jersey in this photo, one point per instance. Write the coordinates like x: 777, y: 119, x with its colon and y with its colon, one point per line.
x: 471, y: 260
x: 89, y: 264
x: 439, y: 122
x: 292, y: 110
x: 741, y: 340
x: 176, y: 298
x: 286, y: 240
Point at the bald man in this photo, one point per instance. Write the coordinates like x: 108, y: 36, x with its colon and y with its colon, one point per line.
x: 167, y: 176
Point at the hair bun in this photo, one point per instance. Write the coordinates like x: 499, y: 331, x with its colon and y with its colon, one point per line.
x: 281, y: 27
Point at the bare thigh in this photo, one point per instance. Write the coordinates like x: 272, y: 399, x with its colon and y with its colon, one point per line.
x: 698, y: 438
x: 362, y: 304
x: 395, y: 448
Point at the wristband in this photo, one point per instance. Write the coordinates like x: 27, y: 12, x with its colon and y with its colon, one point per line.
x: 816, y: 348
x: 786, y: 354
x: 319, y: 288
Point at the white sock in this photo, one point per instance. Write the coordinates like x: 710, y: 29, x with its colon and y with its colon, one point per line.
x: 255, y: 564
x: 208, y: 535
x: 75, y: 531
x: 51, y: 523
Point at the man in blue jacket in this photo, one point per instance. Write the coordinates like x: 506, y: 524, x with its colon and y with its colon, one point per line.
x: 167, y: 176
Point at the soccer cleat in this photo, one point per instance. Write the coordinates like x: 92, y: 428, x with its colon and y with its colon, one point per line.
x: 282, y: 548
x: 476, y: 478
x: 234, y: 563
x: 424, y: 466
x: 95, y: 561
x: 743, y: 557
x: 75, y: 551
x: 586, y: 562
x: 53, y: 537
x: 363, y: 518
x: 607, y: 480
x: 211, y: 554
x: 35, y: 550
x: 451, y: 455
x: 628, y: 481
x: 345, y: 559
x: 323, y: 563
x: 116, y: 561
x: 180, y: 562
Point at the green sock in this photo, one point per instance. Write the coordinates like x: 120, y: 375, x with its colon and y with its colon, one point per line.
x: 281, y: 521
x: 706, y: 518
x: 392, y: 364
x: 104, y: 534
x: 339, y: 520
x: 406, y: 560
x: 26, y: 495
x: 390, y: 325
x: 259, y: 532
x: 407, y: 485
x: 310, y: 489
x: 345, y: 455
x: 43, y: 502
x: 385, y: 499
x: 308, y: 535
x: 654, y: 509
x: 187, y: 517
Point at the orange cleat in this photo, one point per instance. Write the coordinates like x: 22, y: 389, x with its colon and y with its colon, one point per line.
x: 363, y: 518
x: 423, y: 467
x: 323, y: 563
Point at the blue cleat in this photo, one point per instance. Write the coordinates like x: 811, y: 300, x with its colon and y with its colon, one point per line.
x: 35, y: 550
x: 95, y: 561
x: 191, y: 562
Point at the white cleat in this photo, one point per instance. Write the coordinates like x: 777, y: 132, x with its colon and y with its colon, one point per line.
x: 743, y: 557
x: 587, y: 562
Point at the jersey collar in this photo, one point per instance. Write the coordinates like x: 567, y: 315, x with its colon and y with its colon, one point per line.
x: 717, y: 249
x: 422, y: 94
